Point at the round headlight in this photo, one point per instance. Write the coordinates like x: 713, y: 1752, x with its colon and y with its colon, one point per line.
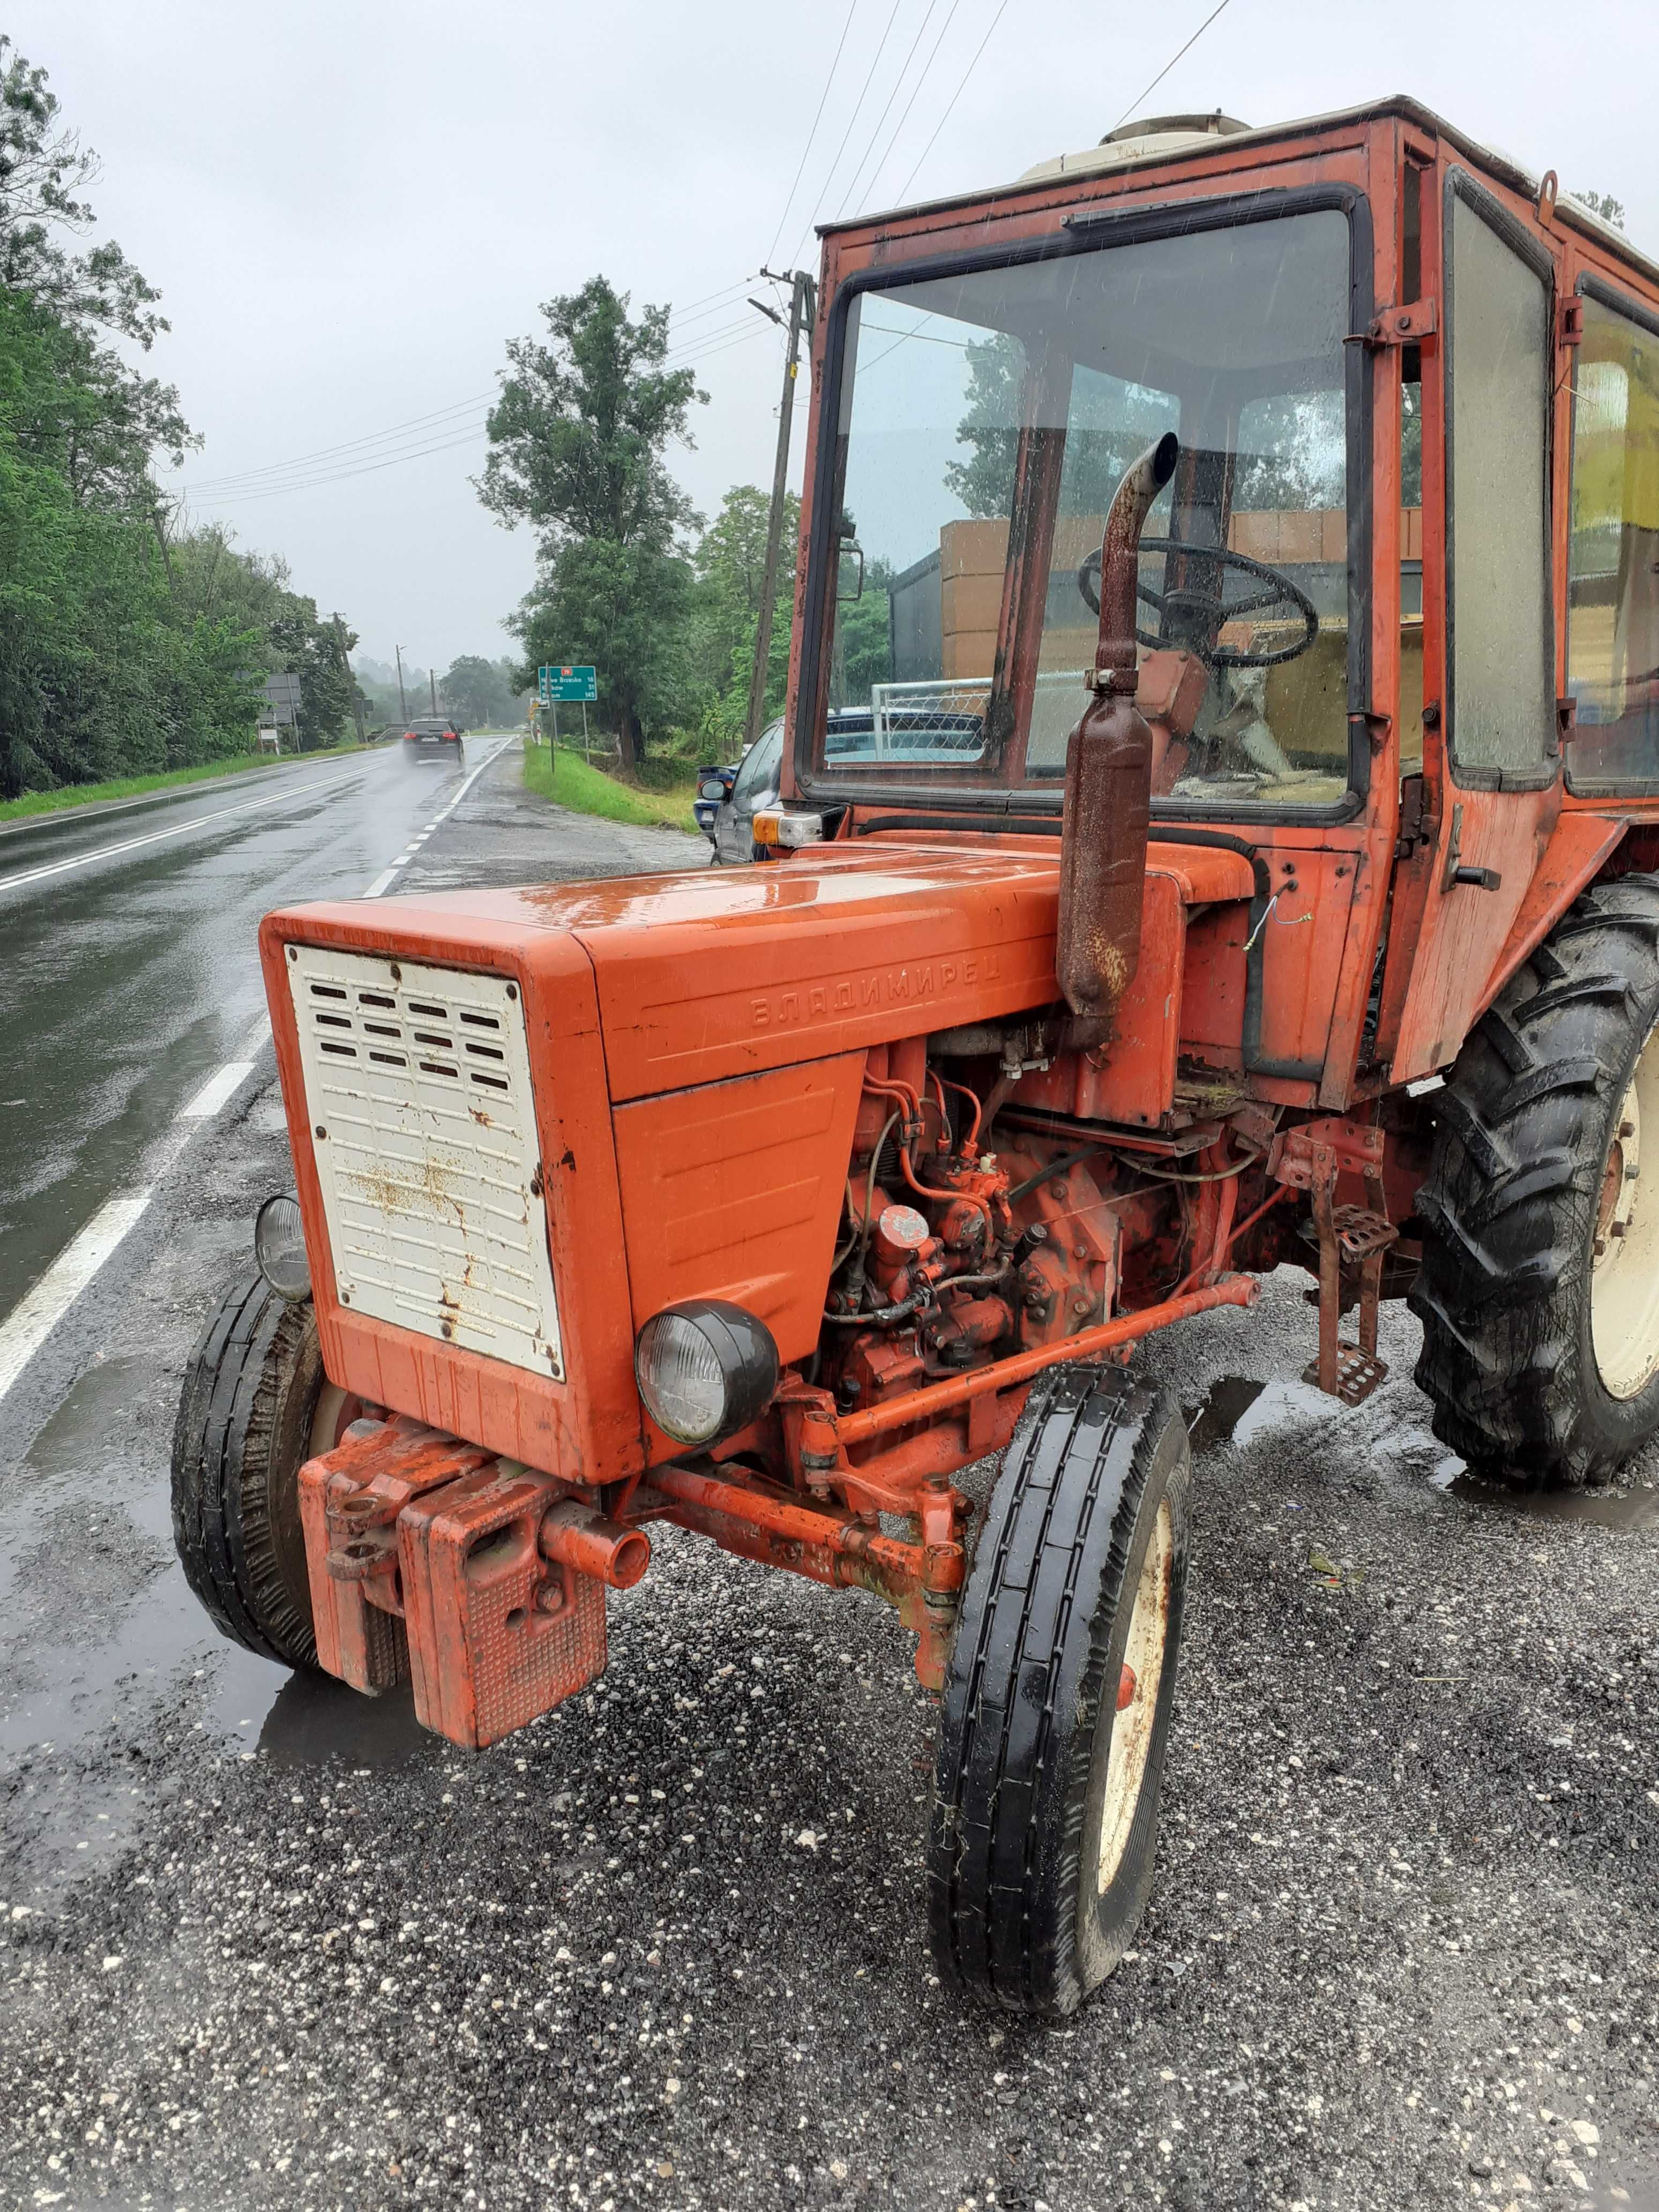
x: 705, y: 1369
x: 279, y: 1248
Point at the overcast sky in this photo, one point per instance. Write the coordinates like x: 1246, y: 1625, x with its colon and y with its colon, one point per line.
x: 350, y: 205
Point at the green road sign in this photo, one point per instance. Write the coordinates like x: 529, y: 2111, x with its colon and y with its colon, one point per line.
x: 567, y: 682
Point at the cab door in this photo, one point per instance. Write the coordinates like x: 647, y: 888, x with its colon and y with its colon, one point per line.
x: 1491, y: 758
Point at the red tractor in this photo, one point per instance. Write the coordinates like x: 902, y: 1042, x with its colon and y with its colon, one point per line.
x: 1222, y: 781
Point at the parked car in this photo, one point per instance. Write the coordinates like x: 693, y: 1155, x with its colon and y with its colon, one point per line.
x: 755, y: 784
x: 713, y: 789
x: 728, y: 798
x: 433, y: 733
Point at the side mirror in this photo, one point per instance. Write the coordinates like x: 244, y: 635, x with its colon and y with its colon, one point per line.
x: 850, y: 557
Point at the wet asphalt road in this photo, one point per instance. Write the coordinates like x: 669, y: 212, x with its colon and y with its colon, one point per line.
x: 263, y: 1944
x: 131, y: 971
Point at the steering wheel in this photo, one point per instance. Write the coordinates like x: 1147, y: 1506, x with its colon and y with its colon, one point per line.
x: 1213, y: 605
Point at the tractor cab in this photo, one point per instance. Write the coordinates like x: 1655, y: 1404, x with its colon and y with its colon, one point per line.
x: 1352, y: 614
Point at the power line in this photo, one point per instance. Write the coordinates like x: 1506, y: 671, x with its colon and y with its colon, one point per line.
x: 723, y: 301
x: 724, y: 292
x: 722, y: 330
x: 927, y: 71
x: 1169, y: 65
x: 339, y: 475
x: 277, y: 479
x: 746, y: 338
x: 904, y: 70
x: 852, y: 123
x: 813, y: 132
x: 956, y: 95
x: 304, y: 467
x: 348, y: 445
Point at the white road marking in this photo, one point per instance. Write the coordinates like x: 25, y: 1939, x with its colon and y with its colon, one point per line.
x: 176, y: 829
x: 31, y: 1321
x: 217, y: 1090
x: 383, y: 881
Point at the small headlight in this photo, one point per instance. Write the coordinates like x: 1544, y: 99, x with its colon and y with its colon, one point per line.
x: 705, y: 1369
x: 279, y: 1248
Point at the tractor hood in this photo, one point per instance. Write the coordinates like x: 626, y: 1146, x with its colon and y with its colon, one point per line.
x: 707, y: 974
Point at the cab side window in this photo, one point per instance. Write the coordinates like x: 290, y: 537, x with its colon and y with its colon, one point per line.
x: 1499, y: 640
x: 1612, y: 567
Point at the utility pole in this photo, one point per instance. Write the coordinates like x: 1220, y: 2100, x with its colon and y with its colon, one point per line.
x: 403, y: 703
x: 345, y: 670
x: 801, y: 301
x: 432, y: 678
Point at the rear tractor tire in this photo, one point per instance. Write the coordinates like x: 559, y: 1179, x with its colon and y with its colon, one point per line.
x: 1539, y: 1293
x: 255, y: 1405
x: 1056, y: 1706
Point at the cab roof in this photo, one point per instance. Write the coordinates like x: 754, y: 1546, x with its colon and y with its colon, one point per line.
x: 1154, y: 143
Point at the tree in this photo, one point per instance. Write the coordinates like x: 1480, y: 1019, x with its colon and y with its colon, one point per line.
x: 578, y: 440
x: 125, y: 645
x: 44, y: 168
x: 619, y: 608
x: 477, y: 691
x: 577, y: 435
x: 723, y: 619
x: 304, y: 647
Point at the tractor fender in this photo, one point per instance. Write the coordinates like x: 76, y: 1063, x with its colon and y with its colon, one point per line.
x: 1579, y: 848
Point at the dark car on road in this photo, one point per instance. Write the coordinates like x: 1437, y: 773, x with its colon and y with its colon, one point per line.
x: 433, y: 733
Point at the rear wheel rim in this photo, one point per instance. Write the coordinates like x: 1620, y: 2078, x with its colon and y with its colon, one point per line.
x: 1625, y: 1244
x: 1135, y: 1694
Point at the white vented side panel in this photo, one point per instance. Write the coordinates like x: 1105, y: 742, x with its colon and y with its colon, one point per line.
x: 430, y: 1168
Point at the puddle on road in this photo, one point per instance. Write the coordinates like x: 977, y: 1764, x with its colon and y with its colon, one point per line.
x: 110, y: 1633
x: 1624, y: 1509
x: 1213, y: 1422
x: 310, y: 1720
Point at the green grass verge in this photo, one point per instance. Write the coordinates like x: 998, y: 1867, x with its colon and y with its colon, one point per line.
x: 568, y: 780
x: 136, y: 787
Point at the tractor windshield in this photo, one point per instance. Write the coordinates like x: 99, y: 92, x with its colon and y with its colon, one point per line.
x: 984, y: 419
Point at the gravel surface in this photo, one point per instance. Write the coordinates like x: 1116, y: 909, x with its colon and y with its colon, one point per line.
x: 266, y: 1943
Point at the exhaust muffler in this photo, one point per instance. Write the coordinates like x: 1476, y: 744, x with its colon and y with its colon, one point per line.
x: 1109, y: 777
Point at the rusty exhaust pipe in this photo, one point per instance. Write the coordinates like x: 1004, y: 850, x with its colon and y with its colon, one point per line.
x: 1108, y: 778
x: 575, y: 1536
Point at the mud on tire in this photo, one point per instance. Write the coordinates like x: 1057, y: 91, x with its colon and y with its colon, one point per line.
x: 245, y: 1429
x: 1040, y: 1859
x: 1524, y: 1147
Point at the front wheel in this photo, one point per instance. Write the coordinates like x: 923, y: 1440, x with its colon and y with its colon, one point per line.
x: 1057, y: 1698
x: 255, y: 1405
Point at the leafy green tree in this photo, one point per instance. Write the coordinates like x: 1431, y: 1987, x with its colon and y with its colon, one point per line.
x: 578, y: 440
x: 43, y: 172
x: 619, y: 608
x: 863, y: 653
x: 125, y: 645
x: 723, y: 618
x: 477, y: 691
x: 303, y: 645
